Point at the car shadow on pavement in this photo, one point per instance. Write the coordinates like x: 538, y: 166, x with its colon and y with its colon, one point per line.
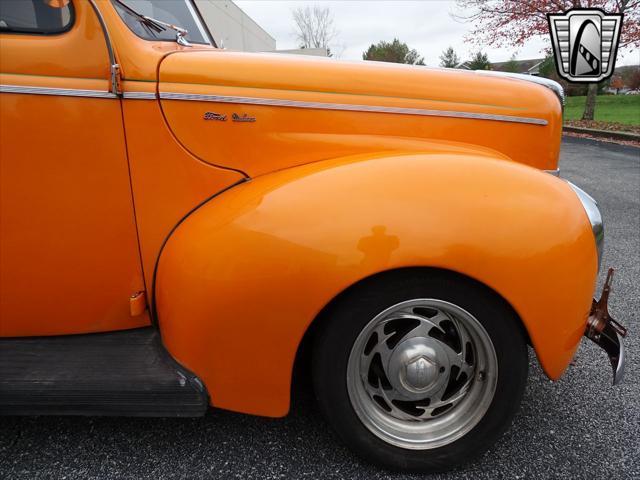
x: 229, y: 445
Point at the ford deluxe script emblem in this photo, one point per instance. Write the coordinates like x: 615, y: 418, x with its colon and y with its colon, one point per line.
x: 243, y: 118
x: 215, y: 116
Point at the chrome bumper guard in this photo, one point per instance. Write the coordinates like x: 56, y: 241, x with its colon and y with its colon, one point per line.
x: 606, y: 332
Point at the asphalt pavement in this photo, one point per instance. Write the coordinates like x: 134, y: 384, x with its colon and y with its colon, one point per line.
x: 578, y: 427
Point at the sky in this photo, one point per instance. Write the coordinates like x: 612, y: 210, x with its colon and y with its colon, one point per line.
x: 426, y: 25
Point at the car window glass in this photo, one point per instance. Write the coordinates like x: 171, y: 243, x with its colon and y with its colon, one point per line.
x: 35, y: 16
x: 180, y: 13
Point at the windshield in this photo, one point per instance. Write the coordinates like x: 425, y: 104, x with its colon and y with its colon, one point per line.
x: 180, y: 13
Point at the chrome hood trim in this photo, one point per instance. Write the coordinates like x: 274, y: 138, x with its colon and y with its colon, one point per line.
x: 279, y: 102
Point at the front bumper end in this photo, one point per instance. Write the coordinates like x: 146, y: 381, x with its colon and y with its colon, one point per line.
x: 605, y: 332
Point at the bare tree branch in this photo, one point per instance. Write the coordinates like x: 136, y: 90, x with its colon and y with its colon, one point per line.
x: 314, y: 27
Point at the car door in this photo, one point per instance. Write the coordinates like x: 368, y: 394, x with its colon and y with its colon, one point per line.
x: 69, y: 257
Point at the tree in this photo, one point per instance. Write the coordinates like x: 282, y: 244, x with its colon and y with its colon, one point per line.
x: 479, y: 61
x: 508, y: 22
x: 449, y: 58
x: 512, y: 65
x: 395, y: 52
x: 314, y: 27
x: 632, y: 78
x: 616, y: 83
x: 547, y: 67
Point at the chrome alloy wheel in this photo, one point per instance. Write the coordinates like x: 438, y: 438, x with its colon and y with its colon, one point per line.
x: 422, y: 374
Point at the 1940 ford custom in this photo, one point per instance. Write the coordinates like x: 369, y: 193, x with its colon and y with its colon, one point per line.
x: 182, y: 225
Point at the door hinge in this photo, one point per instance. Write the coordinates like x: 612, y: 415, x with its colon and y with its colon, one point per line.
x: 116, y: 79
x: 137, y: 303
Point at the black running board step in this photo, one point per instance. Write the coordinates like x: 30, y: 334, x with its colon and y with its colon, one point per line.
x: 124, y: 373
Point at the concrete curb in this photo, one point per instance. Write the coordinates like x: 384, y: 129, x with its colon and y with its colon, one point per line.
x: 603, y: 133
x: 602, y: 143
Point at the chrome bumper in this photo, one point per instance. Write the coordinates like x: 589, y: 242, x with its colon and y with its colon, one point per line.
x: 606, y: 332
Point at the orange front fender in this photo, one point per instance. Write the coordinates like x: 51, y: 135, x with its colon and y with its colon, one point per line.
x: 242, y: 278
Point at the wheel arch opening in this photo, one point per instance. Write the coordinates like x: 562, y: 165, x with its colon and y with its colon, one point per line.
x: 301, y: 381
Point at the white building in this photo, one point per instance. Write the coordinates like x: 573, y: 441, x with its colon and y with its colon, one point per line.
x: 232, y: 28
x: 314, y: 52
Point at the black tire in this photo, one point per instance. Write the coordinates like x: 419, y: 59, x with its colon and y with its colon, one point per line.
x: 345, y: 319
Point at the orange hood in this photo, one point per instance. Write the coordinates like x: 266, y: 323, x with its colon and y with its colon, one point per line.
x: 299, y: 109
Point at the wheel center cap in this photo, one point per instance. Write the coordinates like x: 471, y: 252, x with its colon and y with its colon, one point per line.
x: 420, y: 372
x: 415, y: 367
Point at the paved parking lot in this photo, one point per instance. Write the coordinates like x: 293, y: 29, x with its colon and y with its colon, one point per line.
x: 579, y: 427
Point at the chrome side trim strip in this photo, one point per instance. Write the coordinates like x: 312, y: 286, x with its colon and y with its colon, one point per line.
x: 349, y: 107
x: 64, y: 92
x: 555, y: 173
x: 139, y: 95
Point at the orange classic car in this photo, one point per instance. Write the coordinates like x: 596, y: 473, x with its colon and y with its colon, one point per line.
x: 182, y: 226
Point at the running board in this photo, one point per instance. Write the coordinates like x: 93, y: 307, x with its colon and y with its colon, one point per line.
x: 124, y: 373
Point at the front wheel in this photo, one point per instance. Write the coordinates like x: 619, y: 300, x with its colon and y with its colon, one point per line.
x: 418, y: 371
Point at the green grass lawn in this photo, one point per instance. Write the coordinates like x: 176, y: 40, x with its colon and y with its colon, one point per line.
x: 609, y: 108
